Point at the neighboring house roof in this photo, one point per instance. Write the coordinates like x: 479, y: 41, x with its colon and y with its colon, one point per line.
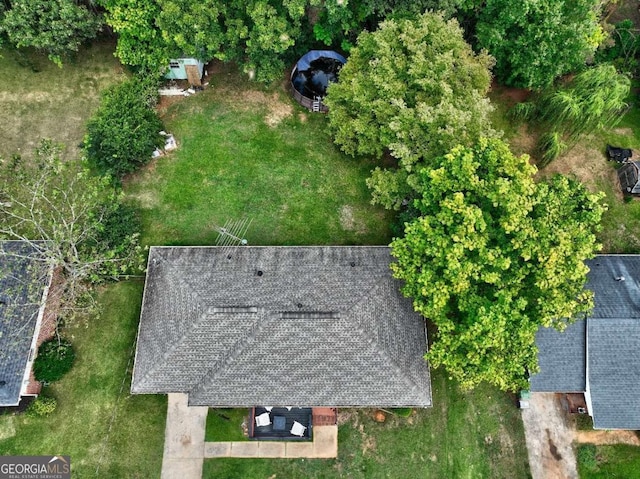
x: 609, y: 339
x: 24, y: 279
x: 281, y: 326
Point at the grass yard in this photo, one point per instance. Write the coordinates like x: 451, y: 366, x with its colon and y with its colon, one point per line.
x: 106, y: 431
x: 465, y: 435
x: 247, y: 152
x: 226, y: 424
x: 604, y: 462
x: 39, y: 100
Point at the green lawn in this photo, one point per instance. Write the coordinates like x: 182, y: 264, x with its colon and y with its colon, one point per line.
x: 472, y: 435
x: 226, y: 424
x: 289, y: 178
x: 40, y: 100
x: 619, y: 461
x: 106, y: 431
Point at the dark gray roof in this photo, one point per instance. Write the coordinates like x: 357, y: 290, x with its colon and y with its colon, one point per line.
x: 288, y: 326
x: 612, y: 346
x: 23, y: 281
x: 614, y: 372
x: 562, y: 359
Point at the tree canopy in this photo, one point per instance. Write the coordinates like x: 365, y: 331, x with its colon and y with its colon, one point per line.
x: 56, y: 27
x: 493, y: 257
x: 414, y: 88
x: 535, y: 41
x: 63, y: 210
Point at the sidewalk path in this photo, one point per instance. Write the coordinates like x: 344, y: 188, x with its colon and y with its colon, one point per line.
x: 184, y: 439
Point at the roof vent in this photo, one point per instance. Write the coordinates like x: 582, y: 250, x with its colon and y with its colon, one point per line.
x: 229, y: 257
x: 619, y: 278
x: 299, y: 305
x: 259, y: 272
x: 353, y: 264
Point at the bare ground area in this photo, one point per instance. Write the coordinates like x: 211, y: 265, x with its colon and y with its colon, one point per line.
x: 549, y: 438
x: 607, y: 437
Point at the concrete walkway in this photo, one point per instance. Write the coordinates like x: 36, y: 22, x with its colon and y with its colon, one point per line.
x: 549, y: 438
x: 185, y: 449
x: 323, y: 446
x: 184, y: 439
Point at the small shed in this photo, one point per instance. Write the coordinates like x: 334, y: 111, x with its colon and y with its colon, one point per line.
x: 629, y: 174
x: 186, y: 68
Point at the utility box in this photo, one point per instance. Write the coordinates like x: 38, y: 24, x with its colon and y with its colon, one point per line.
x: 186, y: 69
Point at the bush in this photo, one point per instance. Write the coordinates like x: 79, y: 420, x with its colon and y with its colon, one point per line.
x: 123, y: 133
x: 54, y: 360
x: 587, y: 457
x: 119, y: 224
x: 42, y: 406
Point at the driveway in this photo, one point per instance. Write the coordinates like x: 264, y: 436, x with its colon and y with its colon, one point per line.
x: 549, y: 438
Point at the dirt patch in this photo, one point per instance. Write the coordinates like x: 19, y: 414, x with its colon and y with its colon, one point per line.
x: 277, y: 110
x: 607, y: 437
x: 511, y: 96
x: 7, y: 427
x: 524, y: 143
x: 165, y: 102
x: 585, y: 164
x: 350, y: 222
x: 549, y: 438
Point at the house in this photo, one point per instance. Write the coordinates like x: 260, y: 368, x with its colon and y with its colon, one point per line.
x: 24, y: 289
x: 279, y: 326
x: 599, y: 357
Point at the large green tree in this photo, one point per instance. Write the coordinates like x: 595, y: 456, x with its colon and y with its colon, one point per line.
x: 56, y: 27
x: 493, y: 257
x: 535, y: 41
x: 413, y: 88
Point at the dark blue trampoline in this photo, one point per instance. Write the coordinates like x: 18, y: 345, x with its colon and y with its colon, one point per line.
x: 312, y: 75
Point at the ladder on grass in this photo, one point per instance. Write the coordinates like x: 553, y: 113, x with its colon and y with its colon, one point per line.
x: 315, y: 106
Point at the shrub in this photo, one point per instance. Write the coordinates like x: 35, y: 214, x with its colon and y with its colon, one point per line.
x: 119, y: 224
x: 123, y: 133
x: 42, y: 406
x: 54, y: 360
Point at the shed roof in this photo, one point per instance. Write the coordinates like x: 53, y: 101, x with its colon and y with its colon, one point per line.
x: 304, y: 326
x: 24, y: 278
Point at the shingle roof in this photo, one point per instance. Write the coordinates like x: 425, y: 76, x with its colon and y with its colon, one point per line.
x: 562, y: 359
x: 304, y: 326
x: 613, y: 337
x: 612, y: 346
x: 614, y: 372
x: 23, y: 281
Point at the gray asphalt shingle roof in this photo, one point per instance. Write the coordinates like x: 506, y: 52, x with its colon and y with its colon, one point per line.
x: 23, y: 281
x: 562, y: 359
x: 304, y: 326
x: 612, y: 346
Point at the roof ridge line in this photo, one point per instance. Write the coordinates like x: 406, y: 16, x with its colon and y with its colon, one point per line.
x: 381, y: 351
